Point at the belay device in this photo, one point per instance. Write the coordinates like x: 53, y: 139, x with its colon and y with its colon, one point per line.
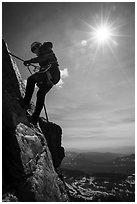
x: 35, y: 68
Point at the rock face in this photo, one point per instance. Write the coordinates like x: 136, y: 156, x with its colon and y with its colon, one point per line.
x: 28, y: 165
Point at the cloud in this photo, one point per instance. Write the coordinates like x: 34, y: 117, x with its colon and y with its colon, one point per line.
x: 83, y: 43
x: 64, y: 74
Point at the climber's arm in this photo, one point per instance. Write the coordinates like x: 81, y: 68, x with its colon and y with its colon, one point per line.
x: 39, y: 59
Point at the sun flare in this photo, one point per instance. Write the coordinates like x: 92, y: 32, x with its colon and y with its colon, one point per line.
x: 102, y: 34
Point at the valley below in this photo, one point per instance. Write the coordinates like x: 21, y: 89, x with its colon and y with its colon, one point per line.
x: 100, y: 177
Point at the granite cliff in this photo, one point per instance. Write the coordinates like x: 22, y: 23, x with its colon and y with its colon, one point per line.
x: 29, y: 163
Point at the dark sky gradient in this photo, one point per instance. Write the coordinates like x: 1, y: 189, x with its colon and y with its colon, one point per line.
x: 94, y: 104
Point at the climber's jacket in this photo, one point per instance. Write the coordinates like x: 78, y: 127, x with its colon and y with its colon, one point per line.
x: 47, y: 60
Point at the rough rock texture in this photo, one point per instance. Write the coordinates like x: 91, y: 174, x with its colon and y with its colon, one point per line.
x: 28, y: 171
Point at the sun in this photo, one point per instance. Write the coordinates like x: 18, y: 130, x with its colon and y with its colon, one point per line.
x: 102, y: 34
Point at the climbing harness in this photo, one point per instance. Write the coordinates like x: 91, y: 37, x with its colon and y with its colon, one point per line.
x: 35, y: 68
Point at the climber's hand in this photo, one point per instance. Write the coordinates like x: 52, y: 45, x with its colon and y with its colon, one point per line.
x: 27, y: 62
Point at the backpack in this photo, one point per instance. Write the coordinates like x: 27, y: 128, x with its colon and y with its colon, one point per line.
x: 54, y: 66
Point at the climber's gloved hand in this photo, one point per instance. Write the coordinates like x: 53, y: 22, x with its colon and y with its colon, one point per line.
x: 27, y: 62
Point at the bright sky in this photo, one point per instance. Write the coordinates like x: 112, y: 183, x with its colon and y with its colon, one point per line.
x: 95, y: 46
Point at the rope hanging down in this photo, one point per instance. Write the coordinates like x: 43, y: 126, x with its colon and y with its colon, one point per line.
x: 35, y: 67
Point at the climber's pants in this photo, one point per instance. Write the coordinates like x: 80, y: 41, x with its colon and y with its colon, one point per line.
x: 41, y: 80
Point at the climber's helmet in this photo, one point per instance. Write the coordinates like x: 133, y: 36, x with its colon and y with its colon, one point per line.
x: 35, y: 47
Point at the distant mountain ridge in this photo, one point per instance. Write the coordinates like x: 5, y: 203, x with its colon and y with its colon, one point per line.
x: 93, y: 162
x: 118, y: 150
